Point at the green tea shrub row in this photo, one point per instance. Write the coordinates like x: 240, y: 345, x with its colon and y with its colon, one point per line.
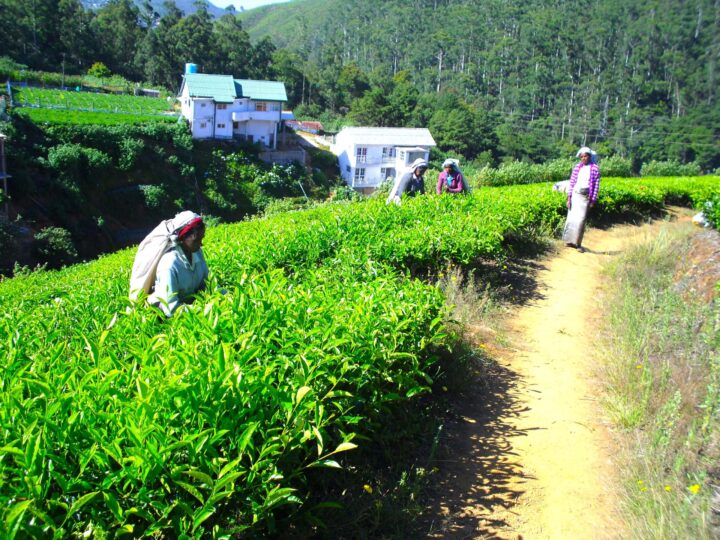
x: 669, y: 168
x: 711, y: 210
x: 89, y: 101
x: 518, y: 172
x: 214, y: 422
x: 119, y: 422
x: 73, y: 117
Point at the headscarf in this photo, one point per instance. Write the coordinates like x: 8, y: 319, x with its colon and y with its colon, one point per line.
x: 587, y: 150
x: 449, y: 162
x: 419, y: 162
x: 193, y: 224
x: 154, y: 246
x: 183, y: 222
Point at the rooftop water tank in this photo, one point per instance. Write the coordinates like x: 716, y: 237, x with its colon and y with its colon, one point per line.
x: 190, y: 68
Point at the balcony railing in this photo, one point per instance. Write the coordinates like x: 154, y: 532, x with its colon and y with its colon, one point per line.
x: 244, y: 116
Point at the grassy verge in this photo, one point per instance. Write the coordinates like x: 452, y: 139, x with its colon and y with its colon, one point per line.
x: 660, y: 349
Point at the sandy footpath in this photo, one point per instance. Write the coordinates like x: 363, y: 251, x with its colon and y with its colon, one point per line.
x: 530, y: 454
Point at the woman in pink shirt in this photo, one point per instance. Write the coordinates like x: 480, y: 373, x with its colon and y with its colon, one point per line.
x: 582, y: 195
x: 450, y: 179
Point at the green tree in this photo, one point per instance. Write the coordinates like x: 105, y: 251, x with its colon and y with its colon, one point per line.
x: 286, y: 67
x: 117, y: 25
x: 233, y: 46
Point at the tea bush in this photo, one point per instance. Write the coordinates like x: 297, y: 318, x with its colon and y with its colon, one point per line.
x: 55, y: 247
x: 211, y: 424
x: 616, y: 166
x: 669, y: 168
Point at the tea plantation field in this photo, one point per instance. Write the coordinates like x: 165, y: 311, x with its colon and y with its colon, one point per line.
x: 70, y: 107
x: 214, y: 422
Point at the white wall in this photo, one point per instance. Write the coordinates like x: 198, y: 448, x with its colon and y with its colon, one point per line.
x: 202, y: 118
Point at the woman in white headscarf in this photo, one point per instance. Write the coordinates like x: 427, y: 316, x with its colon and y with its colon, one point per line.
x: 451, y: 179
x: 169, y: 265
x: 411, y: 183
x: 582, y: 195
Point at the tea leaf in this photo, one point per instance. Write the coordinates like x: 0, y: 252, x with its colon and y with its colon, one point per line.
x: 82, y: 501
x: 301, y: 393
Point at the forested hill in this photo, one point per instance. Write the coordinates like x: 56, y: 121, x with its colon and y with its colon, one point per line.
x: 626, y: 73
x: 492, y: 80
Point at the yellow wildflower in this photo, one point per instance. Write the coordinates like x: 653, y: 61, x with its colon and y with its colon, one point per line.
x: 368, y: 488
x: 668, y: 488
x: 694, y: 489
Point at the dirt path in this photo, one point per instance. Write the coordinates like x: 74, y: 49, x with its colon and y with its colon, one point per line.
x: 530, y: 455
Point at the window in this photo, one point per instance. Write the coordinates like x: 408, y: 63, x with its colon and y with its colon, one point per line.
x: 402, y: 156
x: 221, y: 126
x: 387, y: 172
x: 347, y: 168
x: 221, y: 106
x: 360, y: 174
x: 203, y: 125
x: 236, y: 125
x: 361, y: 154
x: 202, y: 104
x: 260, y: 106
x: 388, y: 152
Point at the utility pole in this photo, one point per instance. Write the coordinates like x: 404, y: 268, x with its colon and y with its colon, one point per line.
x: 3, y: 174
x: 62, y: 83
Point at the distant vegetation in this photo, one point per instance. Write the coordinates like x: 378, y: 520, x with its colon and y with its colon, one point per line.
x: 74, y: 107
x: 494, y: 81
x: 61, y: 116
x: 90, y: 101
x: 108, y: 177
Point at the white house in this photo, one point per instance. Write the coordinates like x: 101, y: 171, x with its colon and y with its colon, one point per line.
x: 220, y: 107
x: 369, y: 155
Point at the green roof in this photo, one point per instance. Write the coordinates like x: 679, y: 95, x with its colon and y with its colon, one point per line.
x: 224, y: 89
x: 220, y: 88
x: 260, y: 90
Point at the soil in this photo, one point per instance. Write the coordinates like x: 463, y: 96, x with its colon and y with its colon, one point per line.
x: 529, y: 452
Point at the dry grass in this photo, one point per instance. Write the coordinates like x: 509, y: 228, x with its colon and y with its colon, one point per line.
x: 662, y: 373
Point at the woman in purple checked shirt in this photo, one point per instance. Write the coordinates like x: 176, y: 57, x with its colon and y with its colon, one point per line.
x: 581, y: 196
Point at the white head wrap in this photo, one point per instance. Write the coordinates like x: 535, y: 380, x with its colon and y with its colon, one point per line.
x: 419, y: 162
x: 450, y: 162
x: 151, y: 250
x: 587, y: 150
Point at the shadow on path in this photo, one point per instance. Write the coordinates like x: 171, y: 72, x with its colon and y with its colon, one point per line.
x: 477, y: 464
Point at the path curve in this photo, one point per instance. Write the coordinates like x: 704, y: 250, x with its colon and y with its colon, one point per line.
x: 530, y: 454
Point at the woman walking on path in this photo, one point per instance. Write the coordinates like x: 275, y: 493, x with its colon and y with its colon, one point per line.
x: 582, y: 195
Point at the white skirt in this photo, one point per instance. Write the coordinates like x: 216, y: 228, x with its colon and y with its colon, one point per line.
x: 575, y: 224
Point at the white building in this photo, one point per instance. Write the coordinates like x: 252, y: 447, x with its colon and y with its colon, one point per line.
x: 369, y: 155
x: 220, y: 107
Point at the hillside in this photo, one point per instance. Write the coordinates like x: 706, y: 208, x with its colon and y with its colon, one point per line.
x: 639, y: 78
x: 286, y: 24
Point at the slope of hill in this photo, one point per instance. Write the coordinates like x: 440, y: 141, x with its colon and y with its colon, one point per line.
x: 635, y: 70
x: 288, y: 25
